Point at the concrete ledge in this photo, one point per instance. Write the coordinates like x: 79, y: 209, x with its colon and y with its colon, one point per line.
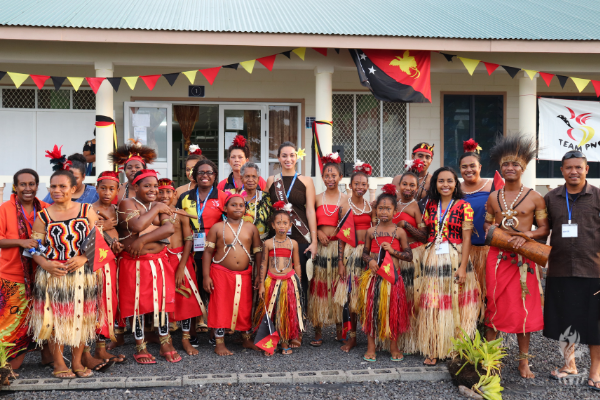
x: 383, y: 374
x: 319, y: 376
x: 439, y: 373
x: 98, y: 383
x: 205, y: 379
x: 38, y: 384
x: 153, y: 381
x: 266, y: 377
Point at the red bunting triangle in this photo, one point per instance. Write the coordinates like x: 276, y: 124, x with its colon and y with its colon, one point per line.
x: 39, y: 80
x: 150, y: 80
x: 95, y: 83
x: 546, y: 77
x: 491, y: 67
x: 210, y: 73
x: 321, y: 50
x: 267, y: 61
x: 596, y: 87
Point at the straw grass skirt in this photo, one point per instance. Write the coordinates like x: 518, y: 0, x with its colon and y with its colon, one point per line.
x: 411, y: 272
x: 348, y: 290
x: 478, y: 255
x: 322, y: 310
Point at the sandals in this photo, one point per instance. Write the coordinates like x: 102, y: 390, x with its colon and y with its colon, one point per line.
x: 369, y: 359
x: 567, y: 374
x: 316, y: 342
x: 172, y: 354
x: 137, y: 357
x: 80, y: 372
x: 120, y: 356
x: 593, y: 387
x: 433, y: 360
x: 286, y: 351
x: 396, y: 359
x: 102, y: 367
x: 68, y: 371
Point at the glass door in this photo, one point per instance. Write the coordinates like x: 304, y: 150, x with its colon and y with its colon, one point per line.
x: 151, y: 124
x: 250, y: 122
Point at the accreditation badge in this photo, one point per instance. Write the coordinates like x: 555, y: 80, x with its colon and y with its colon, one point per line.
x: 569, y: 230
x: 444, y: 248
x: 199, y: 241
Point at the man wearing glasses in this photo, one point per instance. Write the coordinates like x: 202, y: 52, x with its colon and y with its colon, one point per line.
x: 572, y: 309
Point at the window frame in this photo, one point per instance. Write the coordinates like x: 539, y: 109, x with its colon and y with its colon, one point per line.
x: 37, y: 94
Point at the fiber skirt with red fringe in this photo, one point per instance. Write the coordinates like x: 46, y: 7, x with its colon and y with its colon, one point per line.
x: 383, y: 309
x: 411, y: 272
x: 186, y: 306
x: 322, y: 310
x: 478, y: 256
x: 109, y: 301
x: 348, y: 290
x: 230, y: 304
x: 65, y: 307
x: 287, y: 311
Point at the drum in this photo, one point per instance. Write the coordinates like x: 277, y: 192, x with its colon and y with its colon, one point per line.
x: 536, y: 252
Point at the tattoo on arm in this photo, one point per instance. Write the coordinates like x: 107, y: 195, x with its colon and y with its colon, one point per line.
x: 405, y: 254
x: 340, y: 249
x: 416, y: 233
x: 366, y: 257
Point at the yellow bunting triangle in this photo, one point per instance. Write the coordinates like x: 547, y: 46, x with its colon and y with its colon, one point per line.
x: 530, y: 73
x: 580, y: 83
x: 131, y: 81
x: 248, y: 65
x: 470, y: 64
x: 17, y: 78
x: 76, y: 82
x: 300, y: 52
x: 191, y: 75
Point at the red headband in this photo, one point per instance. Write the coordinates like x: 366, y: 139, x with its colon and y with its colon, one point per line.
x: 166, y: 187
x: 427, y: 151
x: 425, y: 148
x: 109, y: 175
x: 135, y: 158
x: 232, y: 195
x: 165, y: 183
x: 145, y: 173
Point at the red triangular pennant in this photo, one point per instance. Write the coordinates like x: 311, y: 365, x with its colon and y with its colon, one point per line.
x: 150, y: 80
x: 546, y: 77
x: 102, y: 253
x: 267, y: 61
x: 498, y: 181
x: 387, y: 270
x: 95, y: 83
x: 321, y: 50
x: 491, y: 67
x: 347, y: 232
x: 40, y: 80
x: 210, y: 73
x: 596, y: 87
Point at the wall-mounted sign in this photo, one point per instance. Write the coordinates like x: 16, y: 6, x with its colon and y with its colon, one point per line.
x: 195, y: 91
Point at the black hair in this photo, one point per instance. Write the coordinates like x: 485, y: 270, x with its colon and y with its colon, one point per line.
x: 577, y: 153
x: 409, y: 173
x: 200, y: 163
x: 78, y: 161
x: 191, y: 157
x: 382, y: 196
x: 469, y: 154
x: 26, y: 171
x: 418, y: 146
x: 276, y: 213
x: 245, y: 149
x: 433, y: 193
x: 67, y: 173
x: 358, y: 173
x: 285, y: 144
x: 336, y: 166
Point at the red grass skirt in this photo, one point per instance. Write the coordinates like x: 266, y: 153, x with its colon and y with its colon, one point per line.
x: 185, y: 307
x: 107, y: 277
x: 230, y: 304
x: 322, y: 310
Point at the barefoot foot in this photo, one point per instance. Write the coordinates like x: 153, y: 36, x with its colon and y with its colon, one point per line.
x: 220, y: 348
x: 350, y: 344
x: 524, y: 369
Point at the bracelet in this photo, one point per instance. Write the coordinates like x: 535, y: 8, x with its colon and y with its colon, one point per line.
x: 210, y: 245
x: 422, y: 225
x: 188, y: 238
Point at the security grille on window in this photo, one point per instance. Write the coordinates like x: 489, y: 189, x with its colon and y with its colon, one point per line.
x: 48, y: 99
x: 371, y: 131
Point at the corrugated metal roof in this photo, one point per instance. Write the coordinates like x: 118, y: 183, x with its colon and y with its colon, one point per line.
x: 467, y: 19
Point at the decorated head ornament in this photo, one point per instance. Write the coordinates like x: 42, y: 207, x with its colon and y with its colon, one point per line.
x: 471, y: 146
x: 239, y: 142
x: 425, y: 148
x: 132, y: 151
x: 109, y: 175
x: 364, y: 167
x: 57, y: 159
x: 165, y: 183
x: 282, y: 205
x: 145, y: 173
x: 195, y: 149
x: 415, y: 165
x: 232, y: 195
x: 331, y: 158
x: 389, y: 189
x: 514, y: 148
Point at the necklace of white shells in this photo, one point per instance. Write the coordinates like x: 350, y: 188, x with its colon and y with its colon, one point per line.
x: 326, y: 206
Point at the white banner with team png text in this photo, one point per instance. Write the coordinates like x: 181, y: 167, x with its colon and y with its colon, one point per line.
x: 569, y: 125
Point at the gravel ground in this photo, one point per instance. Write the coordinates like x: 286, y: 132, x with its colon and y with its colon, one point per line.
x: 327, y: 357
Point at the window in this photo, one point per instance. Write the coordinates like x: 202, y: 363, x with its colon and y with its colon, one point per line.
x: 480, y: 117
x: 49, y: 99
x: 551, y: 169
x: 371, y: 131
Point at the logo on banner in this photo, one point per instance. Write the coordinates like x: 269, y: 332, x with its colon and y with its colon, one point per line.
x: 407, y: 64
x: 577, y: 128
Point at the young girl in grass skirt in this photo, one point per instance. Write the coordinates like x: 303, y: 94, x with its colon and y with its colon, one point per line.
x: 322, y: 311
x: 450, y: 295
x: 279, y: 285
x: 382, y: 305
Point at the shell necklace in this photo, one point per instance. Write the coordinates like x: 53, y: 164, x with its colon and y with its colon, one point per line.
x: 478, y: 190
x: 326, y: 208
x: 355, y: 208
x: 405, y: 205
x: 510, y: 220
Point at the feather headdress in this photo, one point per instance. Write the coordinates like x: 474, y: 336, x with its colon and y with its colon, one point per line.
x: 389, y: 189
x: 331, y: 158
x: 514, y: 148
x: 195, y: 149
x: 166, y: 183
x: 57, y: 159
x: 132, y: 151
x: 282, y: 205
x: 415, y: 165
x: 239, y: 142
x: 471, y: 146
x: 364, y: 167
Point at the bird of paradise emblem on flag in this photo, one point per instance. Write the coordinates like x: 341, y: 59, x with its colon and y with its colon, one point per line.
x: 407, y: 64
x: 580, y: 125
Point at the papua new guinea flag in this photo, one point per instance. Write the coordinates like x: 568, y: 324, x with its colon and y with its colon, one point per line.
x: 387, y: 270
x: 97, y: 251
x: 347, y: 232
x: 266, y: 335
x: 395, y: 75
x: 346, y: 321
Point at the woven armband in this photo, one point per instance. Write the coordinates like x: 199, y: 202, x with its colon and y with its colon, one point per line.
x: 421, y: 225
x: 188, y: 238
x: 37, y: 235
x: 210, y: 245
x: 541, y: 214
x: 256, y: 250
x: 467, y: 226
x: 489, y: 217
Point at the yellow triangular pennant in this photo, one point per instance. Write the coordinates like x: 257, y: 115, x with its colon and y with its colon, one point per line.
x: 76, y: 82
x: 530, y: 73
x: 131, y: 81
x: 248, y: 65
x: 470, y: 64
x: 300, y: 52
x: 17, y: 78
x: 580, y: 83
x: 191, y: 75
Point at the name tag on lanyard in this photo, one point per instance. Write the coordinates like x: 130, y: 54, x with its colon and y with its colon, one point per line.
x: 199, y: 241
x: 444, y: 248
x: 569, y: 230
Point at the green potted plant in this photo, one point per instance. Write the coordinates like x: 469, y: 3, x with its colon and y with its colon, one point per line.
x: 476, y: 365
x: 5, y: 368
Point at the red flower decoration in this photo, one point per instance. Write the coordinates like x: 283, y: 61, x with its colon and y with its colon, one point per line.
x: 417, y: 166
x: 239, y: 141
x: 333, y: 158
x: 363, y: 167
x: 278, y: 205
x: 389, y: 189
x: 470, y: 145
x: 55, y: 153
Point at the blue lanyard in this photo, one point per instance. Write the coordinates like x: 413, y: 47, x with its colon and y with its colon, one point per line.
x: 34, y: 214
x: 198, y: 210
x: 569, y: 209
x: 291, y: 186
x: 442, y: 217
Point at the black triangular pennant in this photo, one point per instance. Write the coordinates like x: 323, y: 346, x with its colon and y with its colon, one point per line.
x: 511, y: 70
x: 2, y: 73
x: 115, y: 83
x: 288, y: 54
x: 58, y: 81
x: 337, y: 51
x: 232, y: 66
x: 448, y: 56
x: 562, y: 80
x: 171, y: 78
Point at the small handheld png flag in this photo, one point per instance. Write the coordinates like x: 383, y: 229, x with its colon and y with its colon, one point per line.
x: 498, y: 181
x: 346, y: 321
x: 266, y: 336
x: 387, y: 270
x: 347, y: 231
x: 97, y: 250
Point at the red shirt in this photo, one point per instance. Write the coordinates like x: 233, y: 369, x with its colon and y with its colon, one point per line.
x: 10, y: 259
x: 228, y: 184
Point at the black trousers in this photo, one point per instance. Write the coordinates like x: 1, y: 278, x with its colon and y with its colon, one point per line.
x: 200, y: 278
x: 304, y: 278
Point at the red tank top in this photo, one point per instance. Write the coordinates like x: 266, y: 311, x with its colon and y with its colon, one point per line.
x: 362, y: 222
x: 283, y: 252
x: 405, y: 217
x: 324, y: 219
x: 386, y: 239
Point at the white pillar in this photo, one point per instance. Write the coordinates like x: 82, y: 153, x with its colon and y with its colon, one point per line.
x: 323, y: 98
x: 527, y: 120
x: 104, y: 106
